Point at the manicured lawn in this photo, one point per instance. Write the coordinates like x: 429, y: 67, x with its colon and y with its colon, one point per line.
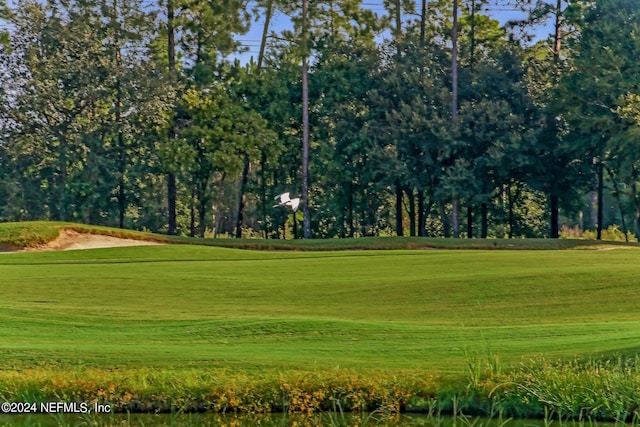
x: 185, y: 306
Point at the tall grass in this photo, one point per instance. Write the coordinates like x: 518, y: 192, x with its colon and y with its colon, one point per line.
x: 601, y: 389
x: 580, y: 390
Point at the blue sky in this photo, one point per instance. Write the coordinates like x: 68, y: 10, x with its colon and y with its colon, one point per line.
x: 502, y: 12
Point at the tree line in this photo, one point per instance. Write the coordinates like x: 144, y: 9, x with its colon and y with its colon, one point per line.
x: 427, y: 119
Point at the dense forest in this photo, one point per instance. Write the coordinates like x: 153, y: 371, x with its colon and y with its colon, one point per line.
x: 409, y: 118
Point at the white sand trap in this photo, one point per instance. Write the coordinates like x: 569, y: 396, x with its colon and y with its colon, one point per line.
x: 72, y: 240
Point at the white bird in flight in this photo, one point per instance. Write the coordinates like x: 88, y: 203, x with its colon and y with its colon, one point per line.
x: 286, y: 200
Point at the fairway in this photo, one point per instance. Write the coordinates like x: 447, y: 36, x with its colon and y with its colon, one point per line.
x: 203, y: 307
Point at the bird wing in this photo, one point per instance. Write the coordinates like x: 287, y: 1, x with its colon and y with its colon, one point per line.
x: 295, y: 203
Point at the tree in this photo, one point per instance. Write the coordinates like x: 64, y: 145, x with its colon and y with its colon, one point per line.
x: 604, y: 74
x: 54, y: 93
x: 4, y: 14
x: 83, y: 104
x: 219, y: 132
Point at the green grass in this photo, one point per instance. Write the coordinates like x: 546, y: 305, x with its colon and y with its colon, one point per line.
x: 204, y: 306
x: 237, y: 313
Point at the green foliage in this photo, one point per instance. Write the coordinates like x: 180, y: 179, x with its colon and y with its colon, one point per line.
x: 93, y: 119
x: 592, y: 389
x: 612, y: 233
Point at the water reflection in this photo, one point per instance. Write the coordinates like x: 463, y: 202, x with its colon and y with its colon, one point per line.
x: 276, y: 420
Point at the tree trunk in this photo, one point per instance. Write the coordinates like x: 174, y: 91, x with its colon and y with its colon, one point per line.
x: 455, y: 220
x: 241, y: 201
x: 122, y: 204
x: 484, y: 220
x: 202, y: 215
x: 192, y: 214
x: 616, y: 189
x: 421, y: 215
x: 171, y: 177
x: 636, y: 217
x: 557, y: 36
x: 412, y: 212
x: 398, y: 28
x: 454, y: 64
x: 423, y: 22
x: 444, y: 218
x: 511, y: 214
x: 263, y: 195
x: 600, y: 200
x: 454, y: 104
x: 350, y: 215
x: 555, y: 215
x: 265, y: 33
x: 557, y: 45
x: 305, y: 127
x: 469, y: 222
x: 399, y: 225
x: 62, y: 209
x: 295, y: 226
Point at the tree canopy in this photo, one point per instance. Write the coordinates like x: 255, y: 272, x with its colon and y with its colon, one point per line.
x: 141, y: 115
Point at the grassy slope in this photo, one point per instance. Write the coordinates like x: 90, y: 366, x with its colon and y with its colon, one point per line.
x: 28, y: 234
x: 181, y: 306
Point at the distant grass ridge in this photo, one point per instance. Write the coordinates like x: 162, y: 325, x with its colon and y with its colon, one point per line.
x: 32, y: 234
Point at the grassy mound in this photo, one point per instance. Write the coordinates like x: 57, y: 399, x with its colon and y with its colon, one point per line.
x: 19, y: 235
x: 31, y: 234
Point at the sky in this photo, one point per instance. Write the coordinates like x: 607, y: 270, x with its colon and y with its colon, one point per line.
x: 502, y: 12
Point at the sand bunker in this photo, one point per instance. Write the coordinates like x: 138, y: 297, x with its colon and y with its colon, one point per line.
x: 72, y: 240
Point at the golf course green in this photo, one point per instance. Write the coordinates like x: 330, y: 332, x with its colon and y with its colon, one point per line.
x: 210, y: 313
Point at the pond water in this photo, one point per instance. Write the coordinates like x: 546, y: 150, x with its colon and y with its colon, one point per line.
x: 275, y: 420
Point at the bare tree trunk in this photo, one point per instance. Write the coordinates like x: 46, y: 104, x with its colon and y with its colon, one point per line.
x: 600, y: 201
x: 445, y: 220
x: 171, y: 177
x: 484, y: 220
x: 469, y: 221
x: 616, y: 189
x: 421, y: 214
x: 557, y: 45
x: 192, y: 214
x: 398, y: 28
x: 263, y: 195
x: 265, y: 33
x: 201, y: 215
x: 455, y: 220
x: 62, y: 190
x: 295, y: 226
x: 454, y: 64
x: 423, y: 22
x: 511, y: 213
x: 305, y: 127
x: 454, y: 105
x: 242, y: 197
x: 555, y: 215
x: 412, y: 212
x: 350, y: 216
x: 399, y: 225
x: 122, y: 204
x: 634, y: 197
